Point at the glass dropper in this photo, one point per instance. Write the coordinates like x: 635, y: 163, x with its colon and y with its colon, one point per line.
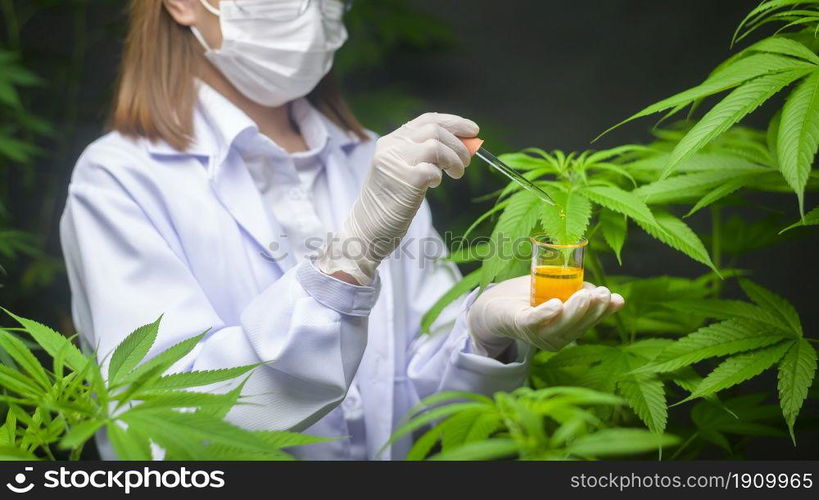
x: 475, y: 146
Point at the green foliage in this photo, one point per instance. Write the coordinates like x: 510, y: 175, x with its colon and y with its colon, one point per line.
x: 796, y: 372
x: 61, y: 408
x: 756, y: 74
x: 558, y: 423
x: 679, y: 344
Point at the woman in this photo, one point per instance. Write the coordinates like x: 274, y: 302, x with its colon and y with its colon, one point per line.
x: 231, y: 155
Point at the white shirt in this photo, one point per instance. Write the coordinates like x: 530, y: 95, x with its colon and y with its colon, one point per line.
x: 295, y: 193
x: 148, y: 230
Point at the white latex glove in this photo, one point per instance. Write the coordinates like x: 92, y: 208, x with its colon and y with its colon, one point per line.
x: 406, y: 163
x: 503, y: 314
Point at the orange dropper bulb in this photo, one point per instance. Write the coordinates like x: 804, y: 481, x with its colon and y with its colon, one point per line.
x: 473, y: 144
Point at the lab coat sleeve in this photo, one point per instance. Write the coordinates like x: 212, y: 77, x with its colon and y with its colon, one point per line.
x: 309, y: 329
x: 445, y: 359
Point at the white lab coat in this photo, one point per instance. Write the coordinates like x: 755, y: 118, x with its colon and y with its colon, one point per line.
x: 149, y: 230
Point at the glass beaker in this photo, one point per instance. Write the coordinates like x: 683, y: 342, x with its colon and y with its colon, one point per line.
x: 557, y: 270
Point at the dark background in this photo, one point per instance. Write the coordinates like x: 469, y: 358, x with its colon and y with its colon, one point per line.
x: 545, y: 73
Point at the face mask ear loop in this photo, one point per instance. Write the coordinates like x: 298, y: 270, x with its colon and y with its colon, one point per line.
x: 210, y: 8
x: 198, y: 35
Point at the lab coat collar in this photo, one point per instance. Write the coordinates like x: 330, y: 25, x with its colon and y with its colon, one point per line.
x: 218, y: 123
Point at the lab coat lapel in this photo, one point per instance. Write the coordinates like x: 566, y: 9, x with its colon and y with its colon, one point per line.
x: 234, y: 187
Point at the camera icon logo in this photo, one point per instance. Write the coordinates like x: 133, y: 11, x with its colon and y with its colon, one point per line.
x: 20, y: 480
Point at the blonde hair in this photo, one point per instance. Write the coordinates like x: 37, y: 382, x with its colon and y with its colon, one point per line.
x: 156, y: 93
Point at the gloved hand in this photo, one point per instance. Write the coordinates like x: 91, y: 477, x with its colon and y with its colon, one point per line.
x: 502, y: 314
x: 406, y: 163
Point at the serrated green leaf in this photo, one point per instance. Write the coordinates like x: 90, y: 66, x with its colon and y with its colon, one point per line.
x: 164, y: 360
x: 739, y: 368
x: 620, y: 201
x: 131, y: 351
x: 517, y: 221
x: 796, y: 372
x: 429, y: 417
x: 200, y: 378
x: 811, y: 219
x: 647, y: 349
x: 676, y: 234
x: 726, y: 78
x: 483, y: 427
x: 729, y: 111
x: 720, y: 339
x: 645, y: 395
x: 613, y: 442
x: 472, y: 253
x: 784, y: 46
x: 193, y: 431
x: 727, y: 309
x: 129, y: 444
x: 615, y: 228
x: 719, y: 193
x: 580, y: 355
x: 14, y: 454
x: 465, y: 285
x: 52, y: 342
x: 19, y: 383
x: 232, y: 398
x: 686, y: 186
x: 491, y: 449
x: 79, y: 434
x: 24, y: 358
x: 287, y: 439
x: 774, y: 304
x: 422, y: 446
x: 566, y: 221
x: 171, y: 400
x: 455, y: 428
x: 798, y: 138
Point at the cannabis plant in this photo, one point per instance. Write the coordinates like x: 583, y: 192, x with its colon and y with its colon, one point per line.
x: 555, y: 423
x: 54, y: 409
x: 679, y: 344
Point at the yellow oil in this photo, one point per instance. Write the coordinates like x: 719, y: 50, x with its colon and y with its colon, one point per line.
x: 555, y: 282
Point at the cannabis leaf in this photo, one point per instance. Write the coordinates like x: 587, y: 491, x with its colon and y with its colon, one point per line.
x: 727, y: 77
x: 200, y: 378
x: 720, y: 339
x: 517, y: 220
x: 465, y: 285
x: 676, y: 234
x: 614, y: 227
x: 796, y: 372
x: 23, y: 356
x: 774, y: 304
x: 620, y: 201
x: 728, y: 309
x: 614, y: 442
x: 132, y: 350
x: 646, y: 396
x: 64, y: 408
x: 738, y: 369
x: 798, y: 137
x: 730, y: 110
x: 162, y: 361
x: 810, y: 219
x: 566, y: 221
x: 684, y: 187
x: 52, y: 342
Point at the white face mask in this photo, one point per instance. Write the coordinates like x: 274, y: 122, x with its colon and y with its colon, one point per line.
x: 274, y: 51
